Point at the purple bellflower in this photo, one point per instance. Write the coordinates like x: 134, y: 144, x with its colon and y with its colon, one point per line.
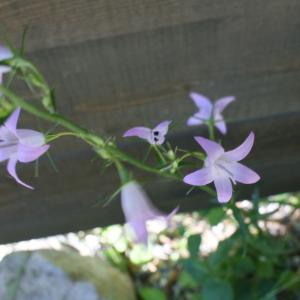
x: 23, y: 145
x: 223, y: 168
x: 138, y: 209
x: 5, y: 53
x: 209, y: 111
x: 155, y: 136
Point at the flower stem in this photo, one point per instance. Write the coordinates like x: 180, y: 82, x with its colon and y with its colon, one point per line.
x: 52, y: 137
x: 211, y: 129
x: 108, y: 150
x: 159, y: 154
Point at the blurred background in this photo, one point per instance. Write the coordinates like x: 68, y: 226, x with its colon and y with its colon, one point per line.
x: 123, y: 63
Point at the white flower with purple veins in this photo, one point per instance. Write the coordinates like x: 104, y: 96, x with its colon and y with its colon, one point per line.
x: 223, y: 168
x: 155, y: 136
x: 138, y: 209
x: 5, y: 54
x: 209, y: 111
x: 23, y: 145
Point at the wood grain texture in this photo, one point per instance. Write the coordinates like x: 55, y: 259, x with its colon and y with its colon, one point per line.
x: 117, y: 64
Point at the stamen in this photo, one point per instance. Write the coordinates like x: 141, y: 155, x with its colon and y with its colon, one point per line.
x: 230, y: 175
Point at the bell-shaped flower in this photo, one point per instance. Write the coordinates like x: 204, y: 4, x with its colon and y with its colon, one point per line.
x: 223, y: 168
x: 23, y: 145
x: 138, y: 209
x: 209, y: 111
x: 155, y: 136
x: 5, y: 54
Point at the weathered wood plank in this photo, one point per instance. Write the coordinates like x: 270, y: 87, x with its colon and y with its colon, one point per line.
x: 92, y: 20
x: 148, y: 75
x: 71, y: 200
x: 121, y: 63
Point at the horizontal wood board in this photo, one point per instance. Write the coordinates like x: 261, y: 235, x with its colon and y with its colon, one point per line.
x: 117, y: 64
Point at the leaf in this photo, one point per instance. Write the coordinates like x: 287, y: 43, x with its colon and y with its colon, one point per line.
x: 221, y: 254
x: 194, y: 244
x: 197, y: 297
x: 215, y: 215
x: 151, y: 294
x: 187, y: 281
x: 215, y: 289
x: 195, y: 268
x: 265, y: 269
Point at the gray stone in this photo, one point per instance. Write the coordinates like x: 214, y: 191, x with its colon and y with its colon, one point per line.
x: 56, y: 275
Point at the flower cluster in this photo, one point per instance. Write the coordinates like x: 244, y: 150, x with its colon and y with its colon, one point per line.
x: 220, y: 167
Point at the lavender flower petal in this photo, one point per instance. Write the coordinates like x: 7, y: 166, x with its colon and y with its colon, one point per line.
x: 222, y: 103
x: 28, y: 154
x: 241, y: 151
x: 11, y: 168
x: 224, y: 189
x: 221, y: 125
x: 138, y: 209
x: 212, y: 149
x: 162, y: 127
x: 201, y: 177
x: 196, y: 119
x: 7, y: 150
x: 30, y: 137
x: 141, y: 132
x: 243, y: 174
x: 203, y: 104
x: 5, y: 53
x: 11, y: 122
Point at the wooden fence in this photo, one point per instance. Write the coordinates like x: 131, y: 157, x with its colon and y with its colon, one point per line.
x: 117, y: 64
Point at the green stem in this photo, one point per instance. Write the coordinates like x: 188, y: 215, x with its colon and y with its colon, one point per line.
x: 159, y: 154
x: 53, y: 137
x: 211, y: 129
x: 55, y: 118
x: 90, y: 138
x: 123, y: 173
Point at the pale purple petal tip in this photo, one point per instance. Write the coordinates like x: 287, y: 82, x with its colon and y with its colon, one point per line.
x: 11, y: 122
x: 201, y: 101
x: 204, y: 105
x: 224, y: 189
x: 192, y: 121
x: 212, y: 149
x: 163, y: 127
x: 11, y: 168
x: 201, y: 177
x: 241, y: 151
x: 140, y: 232
x: 222, y: 103
x: 243, y: 174
x: 221, y: 125
x: 5, y: 53
x: 4, y: 69
x: 138, y: 209
x: 141, y: 132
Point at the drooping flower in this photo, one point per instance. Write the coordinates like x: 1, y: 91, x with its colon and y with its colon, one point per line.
x: 23, y: 145
x: 209, y: 111
x: 223, y: 168
x: 155, y: 136
x: 138, y: 209
x: 5, y: 54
